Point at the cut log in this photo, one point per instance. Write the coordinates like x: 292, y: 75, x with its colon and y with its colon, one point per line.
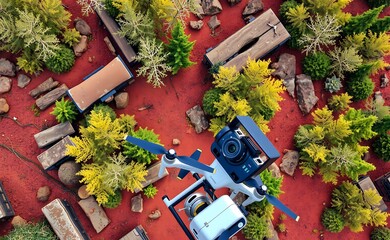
x: 152, y: 175
x: 46, y: 86
x: 95, y: 213
x: 53, y: 134
x: 50, y: 97
x: 55, y: 155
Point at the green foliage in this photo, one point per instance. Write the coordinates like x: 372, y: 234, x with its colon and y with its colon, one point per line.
x: 339, y: 102
x: 169, y: 13
x: 179, y: 48
x: 29, y: 63
x: 317, y: 65
x: 114, y: 200
x: 111, y: 9
x: 64, y: 110
x: 227, y: 79
x: 104, y: 109
x: 256, y: 228
x: 329, y: 7
x: 281, y: 227
x: 359, y: 89
x: 284, y: 9
x: 362, y: 22
x: 345, y: 60
x: 381, y: 233
x: 295, y: 34
x: 361, y: 125
x: 381, y: 25
x: 209, y: 98
x: 150, y: 191
x: 128, y: 122
x: 332, y: 220
x: 61, y: 61
x: 377, y: 3
x: 381, y: 147
x: 297, y: 17
x: 71, y: 36
x: 382, y: 126
x: 32, y: 231
x: 139, y: 154
x: 333, y: 84
x: 376, y: 45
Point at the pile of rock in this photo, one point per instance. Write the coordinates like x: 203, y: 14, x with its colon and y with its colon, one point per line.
x: 85, y: 31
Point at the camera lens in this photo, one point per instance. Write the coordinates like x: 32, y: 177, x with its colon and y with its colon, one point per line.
x: 233, y: 150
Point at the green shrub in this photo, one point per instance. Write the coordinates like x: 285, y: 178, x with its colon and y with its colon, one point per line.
x: 111, y: 9
x: 381, y: 233
x: 256, y: 228
x: 286, y: 5
x: 359, y: 89
x: 209, y: 98
x: 377, y: 3
x: 113, y: 200
x: 71, y: 36
x: 333, y: 84
x: 64, y: 110
x: 339, y: 102
x: 105, y: 109
x: 332, y: 220
x: 295, y: 36
x: 37, y: 231
x: 317, y: 65
x: 281, y: 227
x: 382, y: 126
x: 381, y: 147
x: 62, y: 61
x: 150, y: 191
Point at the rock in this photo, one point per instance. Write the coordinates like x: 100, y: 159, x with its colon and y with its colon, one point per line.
x: 239, y: 198
x: 198, y: 9
x: 384, y: 81
x: 67, y: 173
x: 18, y: 221
x: 82, y: 26
x: 110, y: 46
x: 80, y: 47
x: 274, y: 169
x: 7, y: 68
x: 197, y: 118
x: 122, y: 100
x: 156, y: 214
x: 197, y: 25
x: 23, y: 80
x: 91, y: 59
x: 5, y: 84
x: 273, y: 231
x: 211, y: 7
x: 253, y: 6
x: 43, y: 193
x: 46, y: 86
x: 137, y: 204
x: 285, y: 69
x: 176, y: 142
x: 213, y: 23
x: 305, y: 93
x: 82, y: 192
x: 378, y: 98
x: 233, y: 2
x: 95, y: 213
x: 4, y: 107
x: 289, y: 162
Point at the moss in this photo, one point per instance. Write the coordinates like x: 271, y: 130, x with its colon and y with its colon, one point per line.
x: 332, y: 220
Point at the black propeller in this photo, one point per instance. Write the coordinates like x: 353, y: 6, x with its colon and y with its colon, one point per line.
x: 195, y: 156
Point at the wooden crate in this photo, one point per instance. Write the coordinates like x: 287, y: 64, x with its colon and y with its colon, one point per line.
x: 138, y: 233
x: 254, y: 40
x: 55, y: 155
x: 6, y: 210
x: 53, y: 134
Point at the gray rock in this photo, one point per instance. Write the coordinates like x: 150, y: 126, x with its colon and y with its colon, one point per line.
x: 156, y: 214
x: 197, y: 118
x: 175, y: 142
x: 197, y: 25
x: 384, y: 81
x: 305, y: 93
x: 45, y: 86
x: 23, y: 80
x: 289, y: 162
x: 121, y: 100
x: 253, y: 6
x: 137, y: 203
x: 7, y: 68
x: 213, y: 23
x: 43, y: 193
x: 211, y: 7
x: 198, y: 9
x: 67, y: 173
x: 4, y: 107
x: 82, y: 26
x: 81, y: 46
x: 274, y: 169
x: 5, y: 84
x: 285, y: 69
x: 233, y: 2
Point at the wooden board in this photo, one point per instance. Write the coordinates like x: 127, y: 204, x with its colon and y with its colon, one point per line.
x: 138, y: 233
x: 366, y: 183
x: 152, y: 175
x: 53, y: 134
x: 232, y: 52
x: 95, y: 213
x: 6, y: 210
x: 383, y: 185
x: 46, y: 86
x: 50, y: 97
x: 55, y: 155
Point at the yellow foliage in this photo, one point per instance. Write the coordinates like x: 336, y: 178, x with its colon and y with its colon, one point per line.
x: 257, y: 70
x: 91, y: 176
x: 297, y: 17
x: 376, y: 45
x: 316, y: 152
x: 123, y: 5
x: 226, y: 79
x: 339, y: 129
x: 322, y: 117
x: 164, y: 9
x: 82, y: 151
x: 261, y: 122
x: 135, y: 174
x: 355, y: 40
x: 224, y: 104
x: 268, y: 94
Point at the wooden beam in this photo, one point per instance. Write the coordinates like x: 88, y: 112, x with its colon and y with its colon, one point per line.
x: 50, y: 97
x: 53, y: 134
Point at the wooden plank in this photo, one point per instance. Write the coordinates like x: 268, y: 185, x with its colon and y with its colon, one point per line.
x: 55, y: 155
x: 152, y: 176
x: 366, y: 183
x: 138, y: 233
x: 6, y: 210
x: 50, y: 97
x: 45, y: 86
x: 95, y: 213
x: 53, y: 134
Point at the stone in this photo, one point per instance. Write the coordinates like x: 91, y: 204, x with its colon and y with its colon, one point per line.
x: 67, y: 173
x: 43, y: 193
x: 289, y: 162
x: 156, y: 214
x: 23, y: 80
x: 253, y: 6
x: 18, y: 221
x: 4, y: 107
x: 198, y: 9
x: 384, y: 81
x: 110, y: 46
x: 45, y: 86
x: 137, y: 203
x: 213, y: 23
x: 197, y: 25
x: 305, y: 93
x: 197, y: 118
x: 274, y: 233
x: 211, y: 7
x: 274, y: 169
x: 95, y: 213
x: 5, y: 84
x: 7, y: 68
x: 121, y: 100
x: 233, y: 2
x: 80, y: 47
x: 82, y: 192
x: 285, y: 69
x: 378, y: 98
x: 82, y: 26
x: 175, y: 142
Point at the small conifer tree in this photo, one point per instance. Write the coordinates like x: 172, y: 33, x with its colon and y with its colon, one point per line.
x: 362, y: 22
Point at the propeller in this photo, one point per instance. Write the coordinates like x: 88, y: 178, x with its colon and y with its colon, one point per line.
x: 195, y: 156
x: 169, y: 157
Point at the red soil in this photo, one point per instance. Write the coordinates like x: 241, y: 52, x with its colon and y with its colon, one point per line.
x: 306, y: 196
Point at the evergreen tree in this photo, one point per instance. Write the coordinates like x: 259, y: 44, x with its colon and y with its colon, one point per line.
x: 179, y: 49
x: 362, y: 22
x: 381, y: 25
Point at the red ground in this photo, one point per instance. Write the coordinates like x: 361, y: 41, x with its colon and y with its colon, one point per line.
x: 306, y: 196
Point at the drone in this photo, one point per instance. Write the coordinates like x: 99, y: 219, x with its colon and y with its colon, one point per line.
x: 242, y: 152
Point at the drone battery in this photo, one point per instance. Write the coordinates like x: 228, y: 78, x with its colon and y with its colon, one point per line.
x: 222, y: 215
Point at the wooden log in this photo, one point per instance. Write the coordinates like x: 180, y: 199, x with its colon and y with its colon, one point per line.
x: 50, y: 97
x: 6, y: 210
x: 46, y: 86
x: 152, y: 176
x: 95, y: 213
x: 55, y: 155
x: 138, y: 233
x: 53, y: 134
